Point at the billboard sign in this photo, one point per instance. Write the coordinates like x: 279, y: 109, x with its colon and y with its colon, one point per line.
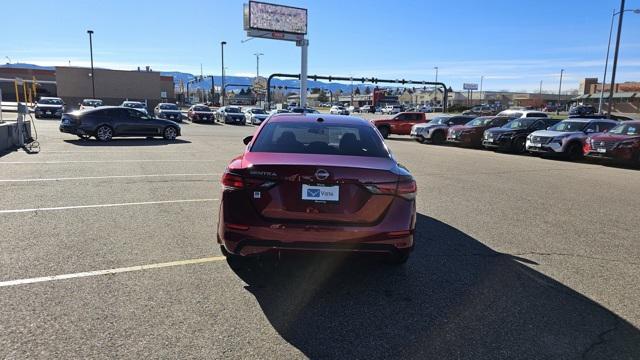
x: 275, y: 18
x: 468, y: 86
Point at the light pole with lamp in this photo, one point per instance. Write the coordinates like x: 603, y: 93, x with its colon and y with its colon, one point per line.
x: 435, y: 94
x: 559, y: 92
x: 606, y: 63
x: 222, y: 92
x: 258, y: 63
x: 93, y: 75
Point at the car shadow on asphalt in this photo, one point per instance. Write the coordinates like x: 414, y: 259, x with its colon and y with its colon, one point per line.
x: 455, y: 298
x: 127, y: 142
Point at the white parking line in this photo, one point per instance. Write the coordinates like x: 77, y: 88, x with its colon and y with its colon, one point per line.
x: 98, y: 161
x: 104, y: 177
x: 110, y: 271
x: 103, y: 205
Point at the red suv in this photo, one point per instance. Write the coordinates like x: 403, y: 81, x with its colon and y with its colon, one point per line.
x: 316, y: 182
x: 471, y: 133
x: 400, y: 124
x: 622, y: 142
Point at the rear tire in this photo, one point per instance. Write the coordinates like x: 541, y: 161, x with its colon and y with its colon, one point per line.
x: 384, y: 131
x: 233, y: 259
x: 438, y: 138
x: 398, y: 258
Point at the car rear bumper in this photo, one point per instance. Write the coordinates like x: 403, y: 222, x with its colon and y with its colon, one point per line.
x: 251, y: 234
x: 72, y: 129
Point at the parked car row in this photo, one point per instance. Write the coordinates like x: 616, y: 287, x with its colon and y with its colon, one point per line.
x: 528, y: 131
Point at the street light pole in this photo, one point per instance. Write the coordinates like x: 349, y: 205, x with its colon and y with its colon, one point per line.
x: 435, y: 94
x: 258, y: 63
x: 560, y: 91
x: 93, y: 75
x: 615, y: 54
x: 481, y: 81
x: 222, y: 91
x: 606, y: 64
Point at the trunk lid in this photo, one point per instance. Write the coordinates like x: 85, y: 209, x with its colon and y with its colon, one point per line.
x: 283, y: 187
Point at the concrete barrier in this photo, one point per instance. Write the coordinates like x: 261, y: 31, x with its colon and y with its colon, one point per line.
x: 9, y: 135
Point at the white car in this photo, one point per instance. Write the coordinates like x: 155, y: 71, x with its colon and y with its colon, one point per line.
x: 255, y: 116
x: 338, y: 110
x: 90, y: 104
x: 135, y: 105
x: 353, y: 109
x: 516, y: 114
x: 278, y: 111
x: 391, y: 109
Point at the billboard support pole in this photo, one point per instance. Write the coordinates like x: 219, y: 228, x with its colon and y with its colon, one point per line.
x: 303, y: 73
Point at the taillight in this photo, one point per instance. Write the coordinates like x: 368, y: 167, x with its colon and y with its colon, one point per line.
x: 383, y: 188
x: 232, y: 181
x: 407, y: 189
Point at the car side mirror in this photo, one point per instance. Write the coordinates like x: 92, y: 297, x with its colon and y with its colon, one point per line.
x: 247, y: 140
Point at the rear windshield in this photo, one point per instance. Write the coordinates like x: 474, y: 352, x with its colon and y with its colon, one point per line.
x: 134, y: 105
x: 319, y: 138
x: 168, y: 107
x: 50, y: 102
x: 92, y: 102
x: 232, y: 110
x: 258, y: 111
x: 201, y: 108
x: 510, y: 114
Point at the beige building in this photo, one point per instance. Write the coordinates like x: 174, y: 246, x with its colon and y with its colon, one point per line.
x: 114, y: 86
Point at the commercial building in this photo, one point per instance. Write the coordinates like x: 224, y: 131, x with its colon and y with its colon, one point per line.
x: 626, y: 95
x: 114, y: 86
x: 9, y: 74
x: 73, y: 84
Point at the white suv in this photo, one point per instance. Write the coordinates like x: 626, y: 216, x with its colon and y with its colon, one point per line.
x: 391, y: 109
x: 338, y: 110
x: 567, y: 137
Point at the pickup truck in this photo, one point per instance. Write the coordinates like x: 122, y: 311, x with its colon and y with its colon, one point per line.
x: 400, y: 124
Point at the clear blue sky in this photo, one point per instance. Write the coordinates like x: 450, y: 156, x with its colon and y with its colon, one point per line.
x: 514, y: 44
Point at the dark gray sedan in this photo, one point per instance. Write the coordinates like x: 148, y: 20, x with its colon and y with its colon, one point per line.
x: 110, y: 121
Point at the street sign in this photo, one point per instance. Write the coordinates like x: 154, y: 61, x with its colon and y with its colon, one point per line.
x: 163, y: 94
x: 19, y: 81
x: 469, y: 86
x: 259, y: 84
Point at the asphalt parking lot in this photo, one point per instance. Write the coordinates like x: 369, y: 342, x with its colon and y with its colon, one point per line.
x: 517, y: 257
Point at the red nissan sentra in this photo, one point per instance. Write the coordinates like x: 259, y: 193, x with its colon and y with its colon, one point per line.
x: 317, y: 182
